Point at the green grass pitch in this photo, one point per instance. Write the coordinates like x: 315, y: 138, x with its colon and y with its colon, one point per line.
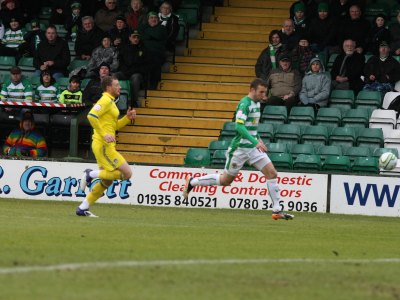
x: 132, y: 252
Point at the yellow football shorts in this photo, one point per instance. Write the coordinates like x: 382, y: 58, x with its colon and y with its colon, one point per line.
x: 107, y: 156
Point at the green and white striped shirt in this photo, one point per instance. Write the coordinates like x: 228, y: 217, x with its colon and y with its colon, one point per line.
x: 21, y: 91
x: 12, y: 39
x: 47, y: 94
x: 248, y: 114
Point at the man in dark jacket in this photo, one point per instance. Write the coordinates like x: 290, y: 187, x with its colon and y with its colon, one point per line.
x: 52, y: 54
x: 93, y: 91
x: 88, y: 38
x: 171, y: 23
x: 347, y: 68
x: 133, y: 65
x: 381, y: 72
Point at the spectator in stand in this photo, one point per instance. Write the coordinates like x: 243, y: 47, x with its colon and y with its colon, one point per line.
x: 347, y: 68
x: 378, y: 34
x: 88, y: 38
x: 136, y: 15
x: 25, y: 140
x: 34, y: 37
x: 284, y: 84
x: 302, y: 55
x: 316, y: 85
x: 299, y: 19
x: 133, y: 65
x: 52, y: 54
x: 93, y: 91
x: 289, y: 38
x: 323, y: 31
x: 16, y: 88
x: 105, y: 17
x: 119, y: 33
x: 267, y: 61
x: 154, y: 37
x: 381, y: 71
x: 395, y: 36
x: 73, y: 94
x: 58, y: 12
x: 340, y: 9
x: 48, y: 91
x: 356, y: 28
x: 104, y: 53
x: 11, y: 10
x: 171, y: 22
x: 13, y: 43
x: 73, y: 21
x: 309, y: 8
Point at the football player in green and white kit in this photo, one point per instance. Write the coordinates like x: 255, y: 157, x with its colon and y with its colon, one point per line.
x: 248, y: 147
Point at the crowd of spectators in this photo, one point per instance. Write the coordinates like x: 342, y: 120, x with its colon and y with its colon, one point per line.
x: 364, y: 51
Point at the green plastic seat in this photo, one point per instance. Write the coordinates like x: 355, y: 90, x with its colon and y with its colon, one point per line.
x: 218, y: 145
x: 329, y: 116
x: 197, y: 157
x: 368, y: 165
x: 357, y: 117
x: 228, y: 131
x: 281, y: 161
x: 306, y: 162
x: 45, y: 13
x: 331, y: 60
x: 277, y: 148
x: 316, y: 135
x: 192, y: 14
x: 368, y: 99
x: 266, y: 132
x: 287, y: 133
x: 342, y: 99
x: 26, y: 64
x: 379, y: 151
x: 219, y: 158
x: 35, y: 81
x: 370, y: 137
x: 274, y: 114
x: 7, y: 62
x: 337, y: 164
x: 354, y: 152
x: 183, y: 27
x: 298, y: 149
x: 63, y: 82
x: 77, y: 63
x: 301, y: 115
x: 61, y: 31
x: 325, y: 151
x: 343, y: 136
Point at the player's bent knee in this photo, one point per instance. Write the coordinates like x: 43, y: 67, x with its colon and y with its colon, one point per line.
x: 106, y: 183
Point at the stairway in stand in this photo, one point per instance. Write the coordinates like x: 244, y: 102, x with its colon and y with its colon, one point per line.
x: 201, y: 91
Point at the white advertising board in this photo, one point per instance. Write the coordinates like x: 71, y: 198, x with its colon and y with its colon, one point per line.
x: 162, y: 186
x: 365, y: 195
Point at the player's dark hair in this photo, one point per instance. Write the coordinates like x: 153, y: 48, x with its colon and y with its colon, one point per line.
x: 256, y: 82
x: 107, y: 81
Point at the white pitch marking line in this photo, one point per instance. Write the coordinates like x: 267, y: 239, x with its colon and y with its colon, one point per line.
x: 152, y: 263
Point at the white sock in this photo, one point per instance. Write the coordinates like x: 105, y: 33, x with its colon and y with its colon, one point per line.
x: 94, y: 173
x: 273, y: 190
x: 206, y: 180
x: 84, y: 204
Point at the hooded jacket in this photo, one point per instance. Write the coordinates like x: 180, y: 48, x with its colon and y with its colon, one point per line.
x: 316, y: 87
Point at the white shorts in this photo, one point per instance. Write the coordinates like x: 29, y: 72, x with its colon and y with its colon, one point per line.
x: 236, y: 160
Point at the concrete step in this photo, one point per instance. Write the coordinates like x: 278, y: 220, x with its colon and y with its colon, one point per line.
x: 215, y: 60
x: 234, y: 36
x: 224, y: 53
x: 170, y: 85
x: 252, y: 12
x: 232, y: 45
x: 212, y: 69
x: 210, y: 78
x: 195, y: 104
x: 195, y: 95
x: 271, y: 20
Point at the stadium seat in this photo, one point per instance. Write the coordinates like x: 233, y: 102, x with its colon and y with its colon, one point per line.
x: 298, y: 149
x: 218, y: 145
x: 45, y: 13
x: 370, y: 137
x: 287, y: 133
x: 316, y: 135
x: 368, y: 99
x: 329, y: 116
x: 336, y: 164
x: 368, y: 165
x: 354, y: 152
x: 26, y: 65
x: 219, y: 158
x: 277, y: 148
x: 331, y: 60
x: 77, y: 63
x: 307, y: 163
x: 281, y: 161
x: 384, y: 119
x: 301, y: 115
x: 192, y: 10
x: 266, y: 132
x: 35, y: 81
x: 343, y: 136
x: 274, y: 114
x: 228, y: 131
x: 379, y: 151
x: 342, y: 99
x: 183, y: 27
x: 60, y: 130
x: 6, y: 62
x: 324, y: 151
x: 61, y: 31
x: 389, y: 97
x: 392, y: 139
x: 197, y: 157
x: 125, y: 97
x: 63, y: 82
x: 357, y: 117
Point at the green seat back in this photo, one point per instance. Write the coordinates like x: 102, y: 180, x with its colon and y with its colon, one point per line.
x: 336, y: 164
x: 306, y: 162
x: 198, y: 157
x: 370, y: 137
x: 329, y: 116
x: 302, y: 115
x: 281, y: 161
x: 343, y: 136
x: 316, y: 135
x: 358, y: 117
x: 366, y: 165
x: 298, y: 149
x: 277, y: 148
x: 274, y: 114
x: 354, y: 152
x: 218, y: 158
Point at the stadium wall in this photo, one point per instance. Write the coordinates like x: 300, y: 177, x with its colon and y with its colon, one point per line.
x: 162, y: 186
